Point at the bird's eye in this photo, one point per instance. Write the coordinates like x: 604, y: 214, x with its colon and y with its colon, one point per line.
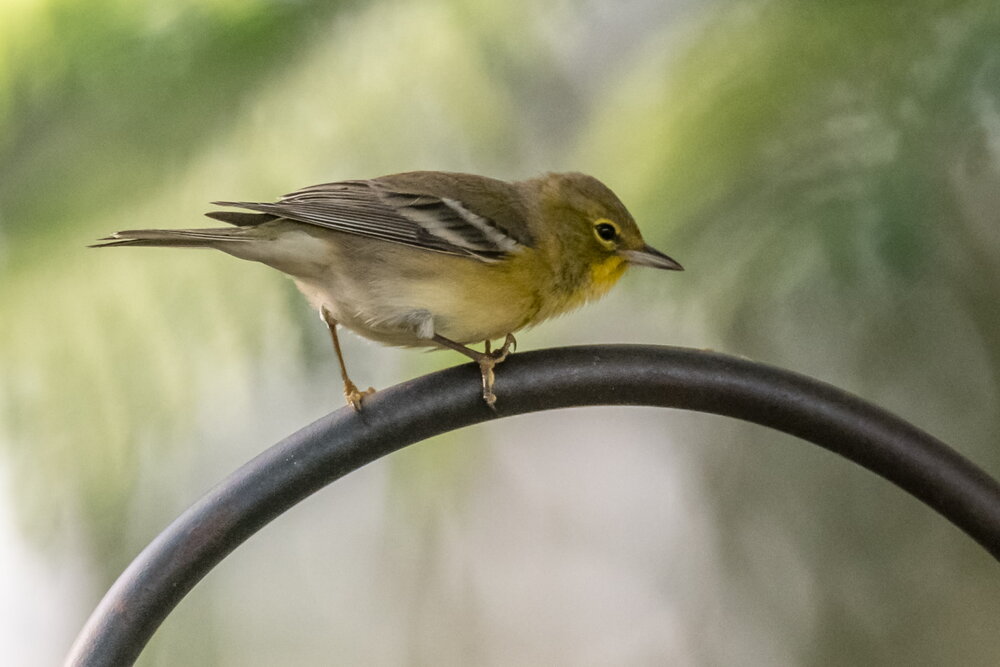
x: 606, y: 231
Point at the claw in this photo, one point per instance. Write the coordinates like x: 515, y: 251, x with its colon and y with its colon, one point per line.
x: 354, y: 396
x: 509, y: 346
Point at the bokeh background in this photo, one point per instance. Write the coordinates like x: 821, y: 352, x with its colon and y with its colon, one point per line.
x: 829, y: 174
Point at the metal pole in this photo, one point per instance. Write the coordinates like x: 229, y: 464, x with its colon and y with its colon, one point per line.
x: 399, y: 416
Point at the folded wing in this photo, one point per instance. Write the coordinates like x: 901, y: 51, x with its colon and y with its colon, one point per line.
x: 380, y: 210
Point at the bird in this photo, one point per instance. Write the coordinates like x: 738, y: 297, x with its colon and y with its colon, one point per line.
x: 433, y: 259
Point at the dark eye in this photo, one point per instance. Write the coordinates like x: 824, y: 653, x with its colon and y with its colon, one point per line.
x: 606, y: 231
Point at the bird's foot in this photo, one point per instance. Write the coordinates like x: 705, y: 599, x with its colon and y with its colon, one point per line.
x: 354, y: 396
x: 488, y: 361
x: 509, y: 345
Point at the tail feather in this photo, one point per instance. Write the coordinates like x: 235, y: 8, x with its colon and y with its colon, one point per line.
x: 177, y: 238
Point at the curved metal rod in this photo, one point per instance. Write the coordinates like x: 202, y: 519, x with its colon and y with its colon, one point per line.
x: 393, y: 418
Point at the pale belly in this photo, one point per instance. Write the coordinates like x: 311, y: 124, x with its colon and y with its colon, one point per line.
x: 400, y: 296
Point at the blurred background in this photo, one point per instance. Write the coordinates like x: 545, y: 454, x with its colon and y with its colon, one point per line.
x: 828, y: 173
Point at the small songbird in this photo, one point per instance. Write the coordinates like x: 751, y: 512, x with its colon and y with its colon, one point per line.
x: 433, y: 259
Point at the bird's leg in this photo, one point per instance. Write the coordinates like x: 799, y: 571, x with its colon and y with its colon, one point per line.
x: 487, y: 361
x: 350, y: 389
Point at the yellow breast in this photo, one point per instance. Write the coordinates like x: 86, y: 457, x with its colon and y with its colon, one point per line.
x: 602, y: 277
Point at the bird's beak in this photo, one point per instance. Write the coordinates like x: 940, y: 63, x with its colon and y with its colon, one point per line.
x: 650, y: 256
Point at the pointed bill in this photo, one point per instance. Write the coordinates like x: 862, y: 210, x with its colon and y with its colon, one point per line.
x: 650, y: 256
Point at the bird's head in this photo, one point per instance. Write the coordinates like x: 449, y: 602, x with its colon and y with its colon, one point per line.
x: 595, y: 229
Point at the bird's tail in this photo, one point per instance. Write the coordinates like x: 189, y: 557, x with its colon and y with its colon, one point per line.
x: 175, y: 238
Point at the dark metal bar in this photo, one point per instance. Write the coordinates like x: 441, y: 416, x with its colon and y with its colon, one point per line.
x: 393, y: 418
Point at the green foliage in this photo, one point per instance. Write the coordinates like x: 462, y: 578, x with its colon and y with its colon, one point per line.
x: 102, y: 100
